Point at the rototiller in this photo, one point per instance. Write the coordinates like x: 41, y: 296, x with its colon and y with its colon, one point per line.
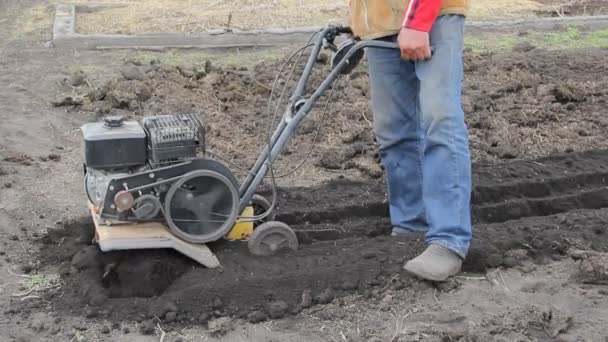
x: 151, y: 184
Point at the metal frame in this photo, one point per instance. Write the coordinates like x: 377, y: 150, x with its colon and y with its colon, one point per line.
x: 299, y: 106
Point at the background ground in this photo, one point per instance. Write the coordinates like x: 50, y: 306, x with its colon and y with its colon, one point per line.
x: 201, y: 15
x: 527, y: 95
x: 204, y: 15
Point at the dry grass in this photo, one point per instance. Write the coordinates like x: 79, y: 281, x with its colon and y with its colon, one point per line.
x: 501, y: 9
x: 33, y: 23
x: 202, y: 15
x: 190, y: 16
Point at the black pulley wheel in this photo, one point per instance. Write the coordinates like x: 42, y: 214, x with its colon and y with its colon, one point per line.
x: 202, y: 206
x: 272, y: 237
x: 260, y: 207
x: 340, y: 54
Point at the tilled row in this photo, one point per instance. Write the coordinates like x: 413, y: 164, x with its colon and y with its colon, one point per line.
x: 501, y: 192
x: 346, y: 248
x: 144, y: 284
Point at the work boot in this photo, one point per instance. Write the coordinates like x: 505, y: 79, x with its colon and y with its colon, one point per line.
x: 436, y: 263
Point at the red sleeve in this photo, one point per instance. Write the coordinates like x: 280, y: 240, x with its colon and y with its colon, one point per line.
x: 421, y: 14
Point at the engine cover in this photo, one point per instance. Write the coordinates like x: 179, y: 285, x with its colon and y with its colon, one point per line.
x: 113, y: 144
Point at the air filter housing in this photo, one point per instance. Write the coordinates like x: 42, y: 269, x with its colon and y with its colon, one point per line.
x: 174, y: 137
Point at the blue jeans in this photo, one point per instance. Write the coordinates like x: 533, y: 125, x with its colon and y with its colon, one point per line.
x: 423, y: 141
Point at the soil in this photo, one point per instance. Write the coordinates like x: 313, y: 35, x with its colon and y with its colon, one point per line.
x: 536, y: 270
x: 527, y: 103
x: 346, y: 247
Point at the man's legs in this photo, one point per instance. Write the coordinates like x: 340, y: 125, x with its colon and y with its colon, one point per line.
x: 394, y: 89
x: 446, y: 160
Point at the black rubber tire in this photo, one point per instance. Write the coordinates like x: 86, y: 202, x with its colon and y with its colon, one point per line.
x: 258, y: 245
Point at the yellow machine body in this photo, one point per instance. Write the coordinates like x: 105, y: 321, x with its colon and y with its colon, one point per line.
x: 244, y: 226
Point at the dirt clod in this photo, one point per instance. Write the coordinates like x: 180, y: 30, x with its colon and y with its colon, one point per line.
x: 220, y: 326
x: 97, y: 299
x: 256, y: 316
x: 128, y: 94
x: 306, y: 300
x: 449, y: 285
x: 160, y: 308
x: 37, y: 325
x: 132, y: 73
x: 593, y: 269
x: 68, y: 100
x: 170, y: 316
x: 105, y: 330
x: 187, y: 71
x: 91, y: 313
x: 126, y: 330
x: 524, y: 47
x: 277, y: 309
x: 20, y: 158
x: 555, y: 322
x: 54, y: 157
x: 515, y: 257
x: 79, y: 326
x: 147, y: 327
x: 88, y: 257
x: 505, y: 152
x: 350, y: 284
x: 495, y: 260
x: 337, y: 158
x: 510, y: 262
x: 27, y: 268
x: 77, y: 78
x: 325, y: 297
x: 370, y: 169
x: 568, y: 93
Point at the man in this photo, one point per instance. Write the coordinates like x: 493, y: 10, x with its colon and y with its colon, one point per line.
x: 419, y: 123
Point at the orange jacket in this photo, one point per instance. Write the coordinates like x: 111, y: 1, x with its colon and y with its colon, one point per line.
x: 370, y: 19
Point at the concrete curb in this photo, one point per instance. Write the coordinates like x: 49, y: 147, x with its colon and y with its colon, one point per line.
x: 542, y: 24
x: 65, y: 35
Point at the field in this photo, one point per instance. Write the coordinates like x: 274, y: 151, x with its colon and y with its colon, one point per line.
x: 202, y: 15
x: 535, y: 105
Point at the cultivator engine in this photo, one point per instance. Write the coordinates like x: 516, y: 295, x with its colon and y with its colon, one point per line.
x: 150, y: 184
x: 144, y: 177
x: 145, y: 172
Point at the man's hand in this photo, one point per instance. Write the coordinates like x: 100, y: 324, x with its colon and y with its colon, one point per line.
x: 414, y: 44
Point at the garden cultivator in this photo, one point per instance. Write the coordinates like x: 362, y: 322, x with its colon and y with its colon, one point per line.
x: 151, y: 184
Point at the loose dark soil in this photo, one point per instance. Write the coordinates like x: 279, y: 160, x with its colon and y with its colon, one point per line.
x: 530, y: 102
x: 345, y: 247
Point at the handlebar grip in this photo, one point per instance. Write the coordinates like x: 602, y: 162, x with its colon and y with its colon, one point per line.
x: 344, y: 30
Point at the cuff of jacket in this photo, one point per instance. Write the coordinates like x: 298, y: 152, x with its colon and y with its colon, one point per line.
x: 419, y: 26
x: 421, y: 14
